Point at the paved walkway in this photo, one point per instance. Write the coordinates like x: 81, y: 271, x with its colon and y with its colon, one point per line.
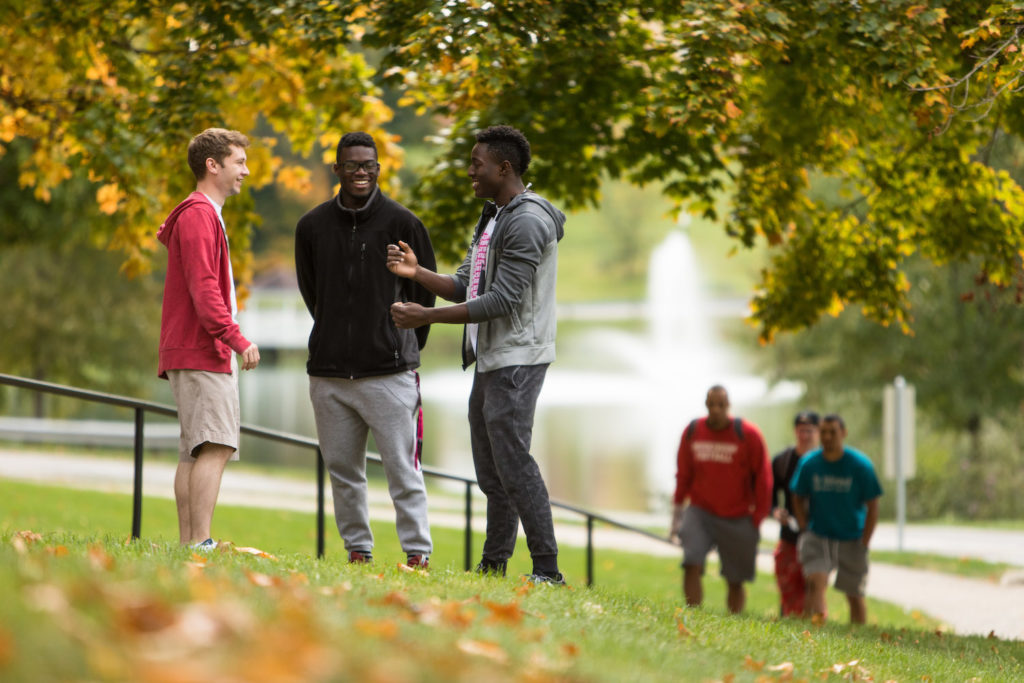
x: 969, y: 606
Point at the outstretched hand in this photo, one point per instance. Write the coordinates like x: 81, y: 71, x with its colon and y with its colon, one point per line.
x: 402, y: 260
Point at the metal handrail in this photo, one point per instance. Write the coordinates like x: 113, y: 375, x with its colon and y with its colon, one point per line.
x: 141, y: 407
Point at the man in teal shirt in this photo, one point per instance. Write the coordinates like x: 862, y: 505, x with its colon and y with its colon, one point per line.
x: 836, y: 493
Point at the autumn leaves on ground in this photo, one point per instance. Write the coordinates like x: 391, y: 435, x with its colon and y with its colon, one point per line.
x: 104, y: 609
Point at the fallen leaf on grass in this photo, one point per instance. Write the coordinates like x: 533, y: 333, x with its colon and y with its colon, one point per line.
x: 337, y: 589
x: 262, y: 580
x: 751, y: 664
x: 46, y: 597
x: 23, y: 539
x: 393, y: 599
x: 570, y: 649
x: 6, y: 647
x: 57, y: 551
x: 509, y: 613
x: 452, y: 613
x: 254, y: 551
x: 99, y: 559
x: 483, y: 648
x: 383, y: 628
x: 785, y: 668
x: 143, y: 614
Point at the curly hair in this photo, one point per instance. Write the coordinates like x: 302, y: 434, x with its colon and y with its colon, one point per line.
x: 213, y: 143
x: 355, y: 139
x: 506, y: 143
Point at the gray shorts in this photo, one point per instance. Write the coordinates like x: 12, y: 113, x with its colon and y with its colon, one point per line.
x: 208, y: 409
x: 736, y: 539
x: 820, y: 555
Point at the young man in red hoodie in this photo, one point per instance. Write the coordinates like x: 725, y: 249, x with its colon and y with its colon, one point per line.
x: 724, y: 471
x: 199, y: 334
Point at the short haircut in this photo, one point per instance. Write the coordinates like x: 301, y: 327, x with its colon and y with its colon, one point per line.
x: 806, y: 417
x: 213, y: 143
x: 505, y: 143
x: 834, y: 417
x: 355, y: 139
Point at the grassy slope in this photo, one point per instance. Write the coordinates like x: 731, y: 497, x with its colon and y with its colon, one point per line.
x: 86, y: 605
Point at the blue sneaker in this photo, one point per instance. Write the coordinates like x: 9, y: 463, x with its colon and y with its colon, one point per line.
x: 543, y: 579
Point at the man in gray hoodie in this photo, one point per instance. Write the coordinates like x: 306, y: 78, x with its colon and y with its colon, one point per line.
x: 505, y: 296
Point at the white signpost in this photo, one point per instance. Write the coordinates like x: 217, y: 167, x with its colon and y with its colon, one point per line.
x: 898, y: 444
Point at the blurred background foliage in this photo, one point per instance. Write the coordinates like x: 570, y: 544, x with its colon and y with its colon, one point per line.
x: 839, y: 164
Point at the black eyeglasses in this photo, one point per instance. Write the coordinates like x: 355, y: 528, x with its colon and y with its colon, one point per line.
x: 353, y: 166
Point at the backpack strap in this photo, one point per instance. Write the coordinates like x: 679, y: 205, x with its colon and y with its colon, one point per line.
x: 737, y: 424
x: 688, y: 432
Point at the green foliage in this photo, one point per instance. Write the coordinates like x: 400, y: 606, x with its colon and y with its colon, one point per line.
x: 67, y: 315
x: 898, y: 102
x: 762, y: 93
x: 965, y: 364
x: 118, y: 88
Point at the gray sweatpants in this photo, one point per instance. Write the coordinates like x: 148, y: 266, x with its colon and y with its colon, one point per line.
x: 346, y: 410
x: 501, y: 409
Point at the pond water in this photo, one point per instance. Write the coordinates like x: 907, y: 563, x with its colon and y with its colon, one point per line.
x: 613, y: 406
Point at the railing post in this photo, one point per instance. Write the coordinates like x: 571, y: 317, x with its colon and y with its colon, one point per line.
x: 140, y: 419
x: 319, y: 504
x: 468, y: 560
x: 590, y: 550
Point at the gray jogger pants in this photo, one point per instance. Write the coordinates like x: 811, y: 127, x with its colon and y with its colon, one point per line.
x: 346, y: 410
x: 501, y: 410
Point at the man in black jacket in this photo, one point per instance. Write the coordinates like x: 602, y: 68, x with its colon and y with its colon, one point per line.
x: 361, y: 367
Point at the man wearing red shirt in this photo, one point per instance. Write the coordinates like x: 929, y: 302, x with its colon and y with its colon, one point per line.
x: 724, y: 471
x: 199, y: 335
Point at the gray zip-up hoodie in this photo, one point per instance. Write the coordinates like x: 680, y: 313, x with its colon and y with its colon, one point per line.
x: 516, y: 305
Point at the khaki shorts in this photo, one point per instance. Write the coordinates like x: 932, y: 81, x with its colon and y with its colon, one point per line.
x: 820, y: 555
x: 208, y: 409
x: 735, y: 538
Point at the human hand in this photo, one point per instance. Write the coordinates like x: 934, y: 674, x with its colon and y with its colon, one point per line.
x: 408, y: 315
x: 250, y: 357
x: 402, y: 260
x: 676, y: 525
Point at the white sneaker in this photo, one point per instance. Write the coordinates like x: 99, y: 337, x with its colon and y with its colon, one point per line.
x: 206, y: 546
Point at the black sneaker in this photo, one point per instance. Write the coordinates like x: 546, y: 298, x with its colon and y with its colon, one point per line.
x: 359, y: 557
x: 544, y: 579
x: 487, y: 567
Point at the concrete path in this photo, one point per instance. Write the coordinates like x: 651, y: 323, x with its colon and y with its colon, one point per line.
x: 968, y: 606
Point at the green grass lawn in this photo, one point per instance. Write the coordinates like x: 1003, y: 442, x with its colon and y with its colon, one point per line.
x: 969, y: 567
x: 82, y: 604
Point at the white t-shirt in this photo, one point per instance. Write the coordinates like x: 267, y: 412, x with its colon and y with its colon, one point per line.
x: 479, y: 266
x: 231, y: 274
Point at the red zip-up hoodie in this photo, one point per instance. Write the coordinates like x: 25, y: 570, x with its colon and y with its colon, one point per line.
x: 724, y: 473
x: 197, y: 331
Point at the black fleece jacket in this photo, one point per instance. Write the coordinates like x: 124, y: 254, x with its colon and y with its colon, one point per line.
x: 340, y: 257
